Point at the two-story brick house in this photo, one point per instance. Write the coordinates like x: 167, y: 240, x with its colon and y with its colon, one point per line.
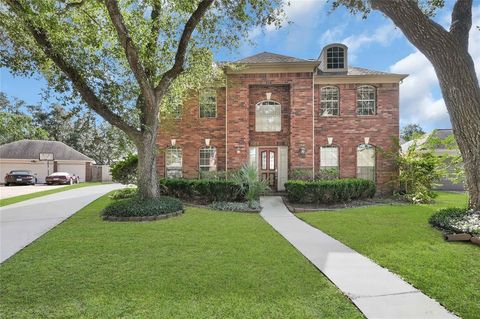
x: 284, y: 114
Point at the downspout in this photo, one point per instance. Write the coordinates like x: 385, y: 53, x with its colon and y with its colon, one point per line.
x: 313, y: 124
x: 226, y: 125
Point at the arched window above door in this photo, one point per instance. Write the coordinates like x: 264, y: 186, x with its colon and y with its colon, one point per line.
x: 268, y: 116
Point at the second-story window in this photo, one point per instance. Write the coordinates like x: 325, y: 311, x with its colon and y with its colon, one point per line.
x: 366, y: 100
x: 208, y: 103
x: 268, y: 116
x: 329, y: 101
x: 335, y: 58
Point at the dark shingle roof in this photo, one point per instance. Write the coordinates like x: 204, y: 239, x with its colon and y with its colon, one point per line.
x: 31, y: 149
x: 268, y: 57
x: 352, y: 70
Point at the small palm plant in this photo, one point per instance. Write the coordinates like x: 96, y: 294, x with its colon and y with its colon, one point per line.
x: 251, y: 184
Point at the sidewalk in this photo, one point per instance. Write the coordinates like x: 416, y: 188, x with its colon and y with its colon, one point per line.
x: 377, y: 292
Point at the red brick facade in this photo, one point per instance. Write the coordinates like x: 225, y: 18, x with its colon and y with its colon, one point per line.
x: 232, y: 132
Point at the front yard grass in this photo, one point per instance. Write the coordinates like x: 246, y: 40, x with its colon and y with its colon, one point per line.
x: 204, y: 264
x: 400, y: 238
x: 21, y: 198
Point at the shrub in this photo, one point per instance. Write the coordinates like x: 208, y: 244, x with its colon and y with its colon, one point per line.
x: 125, y: 171
x: 329, y: 191
x: 127, y: 192
x: 202, y: 190
x: 135, y: 206
x: 250, y: 183
x: 419, y: 169
x: 236, y: 206
x: 456, y: 220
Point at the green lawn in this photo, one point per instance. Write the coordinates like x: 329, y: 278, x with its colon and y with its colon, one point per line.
x: 399, y: 238
x: 203, y: 264
x: 20, y: 198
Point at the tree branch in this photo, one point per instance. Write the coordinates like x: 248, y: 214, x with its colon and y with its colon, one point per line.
x: 88, y: 95
x: 461, y: 21
x: 131, y: 53
x: 177, y: 67
x: 154, y: 33
x: 415, y: 25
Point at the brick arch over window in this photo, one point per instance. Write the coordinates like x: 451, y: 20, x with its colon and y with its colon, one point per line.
x: 268, y: 116
x: 366, y: 100
x: 366, y: 159
x: 329, y: 101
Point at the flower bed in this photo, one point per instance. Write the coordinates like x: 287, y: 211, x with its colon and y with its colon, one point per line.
x: 237, y: 206
x: 458, y: 224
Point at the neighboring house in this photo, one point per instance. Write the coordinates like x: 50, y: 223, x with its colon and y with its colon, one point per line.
x: 31, y: 155
x: 441, y: 134
x: 282, y: 114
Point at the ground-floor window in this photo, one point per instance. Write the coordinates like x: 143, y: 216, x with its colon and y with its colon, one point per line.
x: 208, y: 159
x: 329, y: 158
x: 173, y: 162
x: 366, y: 162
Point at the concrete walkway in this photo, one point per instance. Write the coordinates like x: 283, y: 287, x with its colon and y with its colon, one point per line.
x: 377, y: 292
x: 24, y: 222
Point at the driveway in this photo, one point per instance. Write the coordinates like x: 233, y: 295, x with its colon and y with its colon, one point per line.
x: 24, y: 222
x: 17, y: 190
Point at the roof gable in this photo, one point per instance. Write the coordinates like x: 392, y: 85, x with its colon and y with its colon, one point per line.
x: 268, y: 57
x: 31, y: 149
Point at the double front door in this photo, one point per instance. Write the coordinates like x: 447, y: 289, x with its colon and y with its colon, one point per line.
x: 268, y: 166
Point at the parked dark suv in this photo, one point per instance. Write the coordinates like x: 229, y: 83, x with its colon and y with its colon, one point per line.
x: 20, y: 177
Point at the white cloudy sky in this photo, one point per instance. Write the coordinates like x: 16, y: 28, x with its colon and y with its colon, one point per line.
x: 373, y: 43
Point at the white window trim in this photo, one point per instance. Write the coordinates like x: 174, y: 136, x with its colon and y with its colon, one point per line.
x: 374, y: 166
x: 261, y: 103
x: 204, y: 92
x: 343, y: 58
x: 324, y: 88
x: 200, y: 157
x: 367, y: 100
x: 338, y: 156
x: 173, y: 167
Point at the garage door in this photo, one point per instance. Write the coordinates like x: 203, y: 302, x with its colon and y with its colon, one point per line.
x: 77, y: 169
x: 38, y: 168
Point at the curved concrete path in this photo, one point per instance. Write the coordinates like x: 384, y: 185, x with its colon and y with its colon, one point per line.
x: 24, y: 222
x: 377, y: 292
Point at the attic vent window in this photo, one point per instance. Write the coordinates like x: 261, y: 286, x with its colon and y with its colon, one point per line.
x: 335, y: 58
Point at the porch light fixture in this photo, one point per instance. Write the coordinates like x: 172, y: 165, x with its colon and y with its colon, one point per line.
x: 366, y: 140
x: 207, y: 142
x: 173, y: 142
x: 269, y: 96
x: 330, y: 140
x: 238, y: 149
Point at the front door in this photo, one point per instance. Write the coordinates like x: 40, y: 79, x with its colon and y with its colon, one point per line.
x: 268, y: 166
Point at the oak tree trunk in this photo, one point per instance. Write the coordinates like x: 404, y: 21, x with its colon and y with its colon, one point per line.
x: 448, y: 53
x: 147, y: 180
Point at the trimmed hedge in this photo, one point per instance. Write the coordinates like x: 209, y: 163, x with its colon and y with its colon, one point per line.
x: 329, y: 191
x: 123, y: 193
x: 202, y: 190
x: 133, y: 207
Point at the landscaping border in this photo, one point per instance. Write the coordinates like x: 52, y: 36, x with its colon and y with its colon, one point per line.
x: 218, y: 210
x: 142, y: 218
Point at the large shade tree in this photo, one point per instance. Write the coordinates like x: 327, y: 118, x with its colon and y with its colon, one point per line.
x: 122, y: 57
x: 447, y: 50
